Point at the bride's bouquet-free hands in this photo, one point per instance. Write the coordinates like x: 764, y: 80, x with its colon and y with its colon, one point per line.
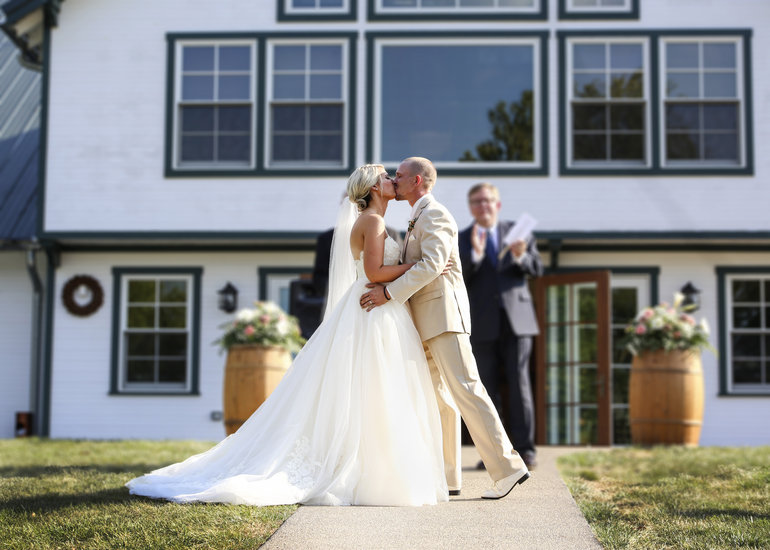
x: 266, y: 325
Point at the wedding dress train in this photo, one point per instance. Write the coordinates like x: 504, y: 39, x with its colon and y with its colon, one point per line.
x: 354, y: 421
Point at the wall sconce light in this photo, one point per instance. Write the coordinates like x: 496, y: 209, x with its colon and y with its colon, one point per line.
x: 691, y: 300
x: 228, y: 298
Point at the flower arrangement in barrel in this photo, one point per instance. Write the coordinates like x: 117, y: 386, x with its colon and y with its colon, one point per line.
x: 666, y: 327
x: 266, y: 324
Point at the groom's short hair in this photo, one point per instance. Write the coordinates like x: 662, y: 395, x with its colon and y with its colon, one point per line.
x: 425, y: 168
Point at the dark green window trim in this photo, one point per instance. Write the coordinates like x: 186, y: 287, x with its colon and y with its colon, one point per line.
x: 195, y: 303
x: 463, y: 15
x: 284, y: 14
x: 653, y: 272
x: 656, y: 168
x: 722, y: 315
x: 541, y: 36
x: 565, y: 13
x: 263, y: 274
x: 260, y: 169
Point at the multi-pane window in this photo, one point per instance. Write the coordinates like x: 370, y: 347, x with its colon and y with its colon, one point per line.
x: 308, y: 10
x: 423, y: 7
x: 307, y: 97
x: 629, y: 294
x: 609, y: 103
x: 748, y: 337
x: 155, y: 333
x: 215, y: 114
x: 702, y: 96
x: 598, y: 5
x: 463, y: 103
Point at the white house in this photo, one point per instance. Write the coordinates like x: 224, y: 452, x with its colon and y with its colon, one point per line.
x: 190, y: 144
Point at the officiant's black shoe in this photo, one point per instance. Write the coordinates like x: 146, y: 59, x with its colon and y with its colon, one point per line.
x: 480, y: 465
x: 454, y: 492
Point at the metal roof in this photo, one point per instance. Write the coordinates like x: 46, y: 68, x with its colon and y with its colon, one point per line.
x: 19, y: 145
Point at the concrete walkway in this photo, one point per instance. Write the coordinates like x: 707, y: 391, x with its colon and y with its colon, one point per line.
x: 539, y: 514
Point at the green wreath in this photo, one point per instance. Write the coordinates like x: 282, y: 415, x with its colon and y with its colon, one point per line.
x: 72, y: 286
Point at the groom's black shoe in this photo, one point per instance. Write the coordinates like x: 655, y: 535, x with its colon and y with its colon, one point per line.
x: 454, y: 492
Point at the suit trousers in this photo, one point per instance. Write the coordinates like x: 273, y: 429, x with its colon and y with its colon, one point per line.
x: 509, y: 355
x: 459, y: 388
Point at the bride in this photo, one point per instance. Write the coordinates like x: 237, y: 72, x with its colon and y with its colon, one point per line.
x: 354, y: 420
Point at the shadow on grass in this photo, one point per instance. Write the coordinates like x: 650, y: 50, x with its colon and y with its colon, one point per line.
x: 52, y: 502
x: 715, y: 513
x: 43, y: 471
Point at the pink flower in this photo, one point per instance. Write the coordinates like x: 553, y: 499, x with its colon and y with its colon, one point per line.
x: 677, y: 335
x: 648, y: 313
x: 689, y: 319
x: 640, y: 329
x: 264, y: 319
x: 249, y: 330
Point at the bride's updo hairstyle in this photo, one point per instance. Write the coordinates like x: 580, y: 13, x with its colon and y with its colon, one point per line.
x: 361, y: 182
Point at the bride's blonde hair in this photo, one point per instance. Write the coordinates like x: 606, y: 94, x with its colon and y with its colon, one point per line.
x: 361, y: 182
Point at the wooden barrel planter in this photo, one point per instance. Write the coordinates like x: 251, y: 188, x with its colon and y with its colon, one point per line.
x: 665, y: 401
x: 251, y: 374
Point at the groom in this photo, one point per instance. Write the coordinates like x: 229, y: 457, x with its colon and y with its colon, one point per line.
x: 439, y: 305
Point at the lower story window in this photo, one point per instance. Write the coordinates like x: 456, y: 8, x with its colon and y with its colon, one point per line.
x: 156, y: 331
x: 748, y: 338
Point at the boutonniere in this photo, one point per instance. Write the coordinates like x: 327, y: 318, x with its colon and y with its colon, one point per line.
x: 411, y: 223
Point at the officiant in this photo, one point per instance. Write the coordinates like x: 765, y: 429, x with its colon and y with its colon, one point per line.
x: 503, y: 321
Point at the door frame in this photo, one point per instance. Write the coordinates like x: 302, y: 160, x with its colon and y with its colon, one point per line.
x: 603, y: 358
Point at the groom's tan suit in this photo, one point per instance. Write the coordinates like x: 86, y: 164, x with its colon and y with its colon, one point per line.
x: 441, y: 313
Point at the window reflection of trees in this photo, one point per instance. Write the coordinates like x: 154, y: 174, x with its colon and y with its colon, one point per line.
x: 512, y: 133
x: 613, y: 129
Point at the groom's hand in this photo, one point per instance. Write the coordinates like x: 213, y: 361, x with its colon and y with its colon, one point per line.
x: 374, y: 297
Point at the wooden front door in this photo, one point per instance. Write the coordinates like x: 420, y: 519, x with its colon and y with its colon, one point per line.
x: 572, y: 397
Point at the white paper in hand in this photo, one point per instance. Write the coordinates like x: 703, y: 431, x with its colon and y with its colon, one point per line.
x: 520, y: 231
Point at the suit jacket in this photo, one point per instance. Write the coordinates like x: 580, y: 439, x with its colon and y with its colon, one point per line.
x: 504, y: 287
x: 439, y: 303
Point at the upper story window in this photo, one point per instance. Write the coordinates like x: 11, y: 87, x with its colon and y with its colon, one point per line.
x: 457, y: 9
x: 467, y: 103
x: 745, y: 308
x: 703, y: 102
x: 245, y: 104
x: 312, y: 10
x: 155, y: 333
x: 214, y: 115
x: 609, y: 102
x: 307, y: 98
x: 598, y: 9
x: 655, y: 102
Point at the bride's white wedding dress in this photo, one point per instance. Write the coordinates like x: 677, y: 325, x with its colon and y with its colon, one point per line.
x: 354, y: 421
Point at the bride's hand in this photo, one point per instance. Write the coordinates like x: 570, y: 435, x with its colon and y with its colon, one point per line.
x: 447, y: 267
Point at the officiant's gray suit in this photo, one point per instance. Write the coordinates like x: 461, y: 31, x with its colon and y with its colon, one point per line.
x: 441, y: 313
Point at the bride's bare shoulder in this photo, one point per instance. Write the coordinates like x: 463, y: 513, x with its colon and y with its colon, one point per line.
x: 368, y: 220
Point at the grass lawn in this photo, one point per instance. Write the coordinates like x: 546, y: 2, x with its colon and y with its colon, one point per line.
x: 674, y: 497
x: 69, y: 494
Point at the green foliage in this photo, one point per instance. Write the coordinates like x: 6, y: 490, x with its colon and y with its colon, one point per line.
x: 265, y: 325
x: 70, y: 494
x: 674, y: 497
x: 666, y: 327
x: 512, y: 133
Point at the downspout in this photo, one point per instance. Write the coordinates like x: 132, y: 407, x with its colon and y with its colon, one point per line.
x: 36, y: 366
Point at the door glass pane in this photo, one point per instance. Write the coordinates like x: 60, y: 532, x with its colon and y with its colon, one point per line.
x: 571, y: 369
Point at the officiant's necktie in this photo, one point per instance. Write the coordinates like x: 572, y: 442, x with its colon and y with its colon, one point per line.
x: 491, y: 249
